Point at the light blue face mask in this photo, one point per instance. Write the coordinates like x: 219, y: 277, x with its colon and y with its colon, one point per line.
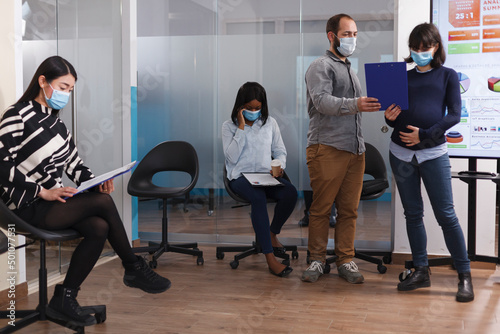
x: 58, y: 100
x: 347, y: 46
x: 421, y: 58
x: 251, y: 115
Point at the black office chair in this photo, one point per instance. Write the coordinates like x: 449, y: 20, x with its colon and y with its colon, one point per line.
x: 178, y: 156
x: 255, y: 248
x: 372, y: 189
x: 26, y: 317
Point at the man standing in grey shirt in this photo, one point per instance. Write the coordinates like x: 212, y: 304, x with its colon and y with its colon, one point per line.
x: 335, y: 149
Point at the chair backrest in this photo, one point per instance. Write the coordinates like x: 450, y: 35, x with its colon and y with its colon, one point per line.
x: 178, y: 156
x: 9, y: 219
x: 4, y: 243
x: 231, y: 193
x: 374, y: 163
x: 375, y: 167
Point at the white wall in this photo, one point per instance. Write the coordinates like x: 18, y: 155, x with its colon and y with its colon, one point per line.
x: 408, y: 14
x: 10, y: 90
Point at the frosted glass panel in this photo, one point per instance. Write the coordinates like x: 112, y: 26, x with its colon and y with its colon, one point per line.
x: 176, y: 97
x: 271, y: 61
x: 189, y: 75
x: 372, y: 47
x: 88, y: 26
x: 87, y: 34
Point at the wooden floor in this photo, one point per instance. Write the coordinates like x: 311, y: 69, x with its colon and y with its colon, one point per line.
x: 214, y: 298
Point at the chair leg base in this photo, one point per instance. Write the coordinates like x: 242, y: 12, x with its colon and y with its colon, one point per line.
x: 157, y: 249
x: 245, y: 251
x: 25, y: 318
x: 365, y: 256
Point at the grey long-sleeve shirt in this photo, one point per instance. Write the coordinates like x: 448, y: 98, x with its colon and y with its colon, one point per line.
x: 332, y: 92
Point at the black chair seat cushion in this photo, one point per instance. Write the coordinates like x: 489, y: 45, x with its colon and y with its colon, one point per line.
x: 152, y: 190
x: 375, y: 186
x: 8, y: 217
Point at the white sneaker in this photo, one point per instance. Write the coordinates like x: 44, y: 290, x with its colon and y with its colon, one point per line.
x: 349, y: 271
x: 314, y: 271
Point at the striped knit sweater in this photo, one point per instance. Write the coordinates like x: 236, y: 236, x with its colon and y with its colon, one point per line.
x: 35, y: 149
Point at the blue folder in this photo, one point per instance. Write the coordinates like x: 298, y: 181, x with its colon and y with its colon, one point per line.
x: 388, y: 82
x: 104, y: 177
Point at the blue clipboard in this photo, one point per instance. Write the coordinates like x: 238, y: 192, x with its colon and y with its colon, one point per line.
x: 388, y: 82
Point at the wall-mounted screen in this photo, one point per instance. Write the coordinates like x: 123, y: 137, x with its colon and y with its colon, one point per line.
x: 470, y: 30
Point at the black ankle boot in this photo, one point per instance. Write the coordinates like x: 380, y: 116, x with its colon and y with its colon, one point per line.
x: 465, y: 291
x: 140, y: 275
x: 418, y: 279
x: 63, y: 306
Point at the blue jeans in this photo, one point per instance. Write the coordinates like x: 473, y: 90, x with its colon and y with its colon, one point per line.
x: 285, y: 197
x: 436, y: 175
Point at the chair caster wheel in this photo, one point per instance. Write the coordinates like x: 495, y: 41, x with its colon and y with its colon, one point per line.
x: 219, y: 255
x: 286, y: 262
x: 153, y: 264
x: 99, y: 312
x: 295, y: 254
x: 404, y: 275
x: 387, y: 259
x: 196, y: 249
x: 200, y: 261
x: 381, y: 269
x: 327, y: 268
x: 234, y: 264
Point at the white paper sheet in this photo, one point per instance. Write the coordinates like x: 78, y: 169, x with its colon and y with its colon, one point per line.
x: 104, y: 177
x: 261, y: 179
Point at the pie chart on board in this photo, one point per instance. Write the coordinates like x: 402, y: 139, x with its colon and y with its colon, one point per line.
x: 494, y: 84
x: 454, y: 137
x: 464, y: 82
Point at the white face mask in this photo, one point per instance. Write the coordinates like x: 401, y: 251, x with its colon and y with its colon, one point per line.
x: 347, y: 46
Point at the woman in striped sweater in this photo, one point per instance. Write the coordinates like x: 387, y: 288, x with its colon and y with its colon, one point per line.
x: 35, y: 150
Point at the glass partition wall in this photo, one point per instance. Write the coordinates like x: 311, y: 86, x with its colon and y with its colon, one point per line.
x: 88, y: 34
x: 193, y: 55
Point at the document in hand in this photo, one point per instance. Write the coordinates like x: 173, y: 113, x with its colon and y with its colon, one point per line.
x: 261, y: 179
x: 388, y: 82
x: 105, y: 177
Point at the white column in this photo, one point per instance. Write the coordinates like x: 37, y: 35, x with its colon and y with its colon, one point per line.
x: 129, y: 102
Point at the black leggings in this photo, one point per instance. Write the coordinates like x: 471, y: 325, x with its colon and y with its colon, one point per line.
x: 95, y: 216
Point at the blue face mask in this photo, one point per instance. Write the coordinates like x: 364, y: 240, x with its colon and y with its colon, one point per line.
x: 421, y: 58
x: 58, y: 100
x: 347, y: 46
x: 251, y: 115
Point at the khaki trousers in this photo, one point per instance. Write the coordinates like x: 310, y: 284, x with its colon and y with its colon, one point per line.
x: 335, y: 176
